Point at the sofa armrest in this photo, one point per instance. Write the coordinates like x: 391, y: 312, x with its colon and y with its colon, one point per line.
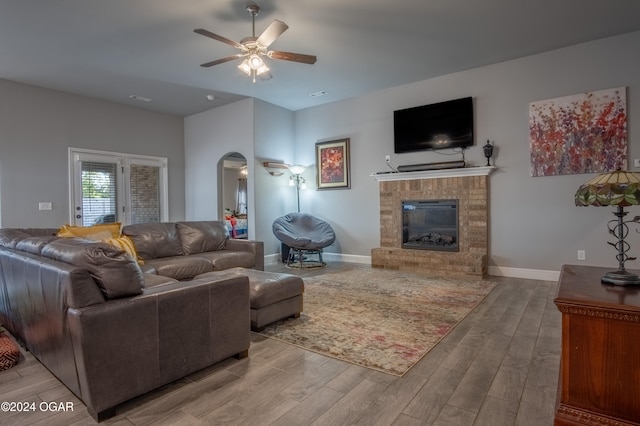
x: 126, y: 347
x: 252, y: 246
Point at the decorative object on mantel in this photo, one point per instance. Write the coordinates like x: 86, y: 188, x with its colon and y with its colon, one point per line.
x: 488, y: 152
x: 332, y: 161
x: 621, y: 189
x: 585, y: 133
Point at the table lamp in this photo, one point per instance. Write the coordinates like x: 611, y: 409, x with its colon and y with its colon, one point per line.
x: 621, y: 189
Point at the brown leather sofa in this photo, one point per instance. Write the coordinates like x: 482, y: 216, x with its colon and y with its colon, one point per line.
x: 182, y: 250
x: 111, y: 329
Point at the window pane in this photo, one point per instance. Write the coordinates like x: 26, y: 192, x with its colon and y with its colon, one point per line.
x: 145, y: 193
x: 98, y: 192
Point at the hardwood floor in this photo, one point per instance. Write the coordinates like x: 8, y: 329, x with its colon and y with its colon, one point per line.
x: 499, y: 366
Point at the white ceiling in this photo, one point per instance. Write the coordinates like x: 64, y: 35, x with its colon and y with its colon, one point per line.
x: 111, y: 49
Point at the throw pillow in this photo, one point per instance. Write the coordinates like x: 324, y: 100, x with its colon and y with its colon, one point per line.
x: 85, y: 231
x: 9, y: 353
x: 125, y: 243
x: 99, y: 236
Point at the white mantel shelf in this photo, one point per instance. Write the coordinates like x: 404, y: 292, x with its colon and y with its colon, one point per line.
x: 435, y: 174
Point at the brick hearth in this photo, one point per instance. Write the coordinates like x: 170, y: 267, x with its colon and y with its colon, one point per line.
x: 470, y: 187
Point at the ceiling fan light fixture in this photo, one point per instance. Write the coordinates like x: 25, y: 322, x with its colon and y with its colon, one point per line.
x: 244, y: 67
x: 262, y: 69
x: 255, y: 62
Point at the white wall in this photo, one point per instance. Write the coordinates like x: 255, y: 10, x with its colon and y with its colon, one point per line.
x: 534, y: 224
x: 37, y: 126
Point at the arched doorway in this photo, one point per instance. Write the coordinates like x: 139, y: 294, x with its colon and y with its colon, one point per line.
x: 232, y: 194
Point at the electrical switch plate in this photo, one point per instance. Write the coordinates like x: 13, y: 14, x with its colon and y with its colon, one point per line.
x: 636, y: 162
x: 582, y: 255
x: 45, y: 206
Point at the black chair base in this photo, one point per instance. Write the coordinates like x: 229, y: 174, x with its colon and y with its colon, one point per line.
x: 298, y: 258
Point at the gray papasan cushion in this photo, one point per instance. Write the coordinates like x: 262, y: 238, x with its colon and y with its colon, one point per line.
x: 303, y: 231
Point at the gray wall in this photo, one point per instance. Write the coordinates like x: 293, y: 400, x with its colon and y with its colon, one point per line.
x: 37, y: 126
x: 534, y: 224
x: 209, y: 137
x: 259, y: 131
x: 273, y: 142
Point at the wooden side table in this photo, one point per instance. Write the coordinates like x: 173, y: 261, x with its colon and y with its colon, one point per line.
x: 600, y: 364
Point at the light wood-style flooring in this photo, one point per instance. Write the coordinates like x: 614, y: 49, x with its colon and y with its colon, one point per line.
x: 499, y: 366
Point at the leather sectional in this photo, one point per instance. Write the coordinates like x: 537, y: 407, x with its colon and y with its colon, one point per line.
x: 111, y: 327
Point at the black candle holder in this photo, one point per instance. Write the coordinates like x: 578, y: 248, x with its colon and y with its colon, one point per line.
x: 488, y: 152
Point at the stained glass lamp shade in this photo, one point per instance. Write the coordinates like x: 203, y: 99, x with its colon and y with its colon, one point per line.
x: 621, y: 189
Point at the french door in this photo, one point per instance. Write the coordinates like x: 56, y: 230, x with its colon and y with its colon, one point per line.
x: 112, y: 187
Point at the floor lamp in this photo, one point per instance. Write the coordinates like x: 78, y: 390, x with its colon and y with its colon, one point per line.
x: 298, y: 181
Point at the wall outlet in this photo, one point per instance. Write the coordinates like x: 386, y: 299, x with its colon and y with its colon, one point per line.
x: 636, y: 162
x: 387, y: 158
x: 45, y: 206
x: 582, y: 255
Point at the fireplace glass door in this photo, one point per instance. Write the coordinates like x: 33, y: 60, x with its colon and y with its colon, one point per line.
x: 430, y: 225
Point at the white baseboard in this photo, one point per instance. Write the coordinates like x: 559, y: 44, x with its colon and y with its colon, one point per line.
x: 534, y: 274
x: 498, y: 271
x: 353, y: 258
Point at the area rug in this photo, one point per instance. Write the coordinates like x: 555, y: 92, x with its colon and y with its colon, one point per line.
x: 379, y: 319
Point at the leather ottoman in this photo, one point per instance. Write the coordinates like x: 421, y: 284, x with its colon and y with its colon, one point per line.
x: 273, y: 296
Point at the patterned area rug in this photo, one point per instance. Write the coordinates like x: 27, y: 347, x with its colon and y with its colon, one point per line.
x: 380, y: 319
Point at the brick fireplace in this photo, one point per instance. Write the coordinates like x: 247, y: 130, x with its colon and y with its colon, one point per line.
x: 469, y: 186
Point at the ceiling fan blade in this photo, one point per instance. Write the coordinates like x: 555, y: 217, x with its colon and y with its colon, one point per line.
x: 294, y: 57
x: 272, y: 32
x: 222, y: 61
x: 218, y: 37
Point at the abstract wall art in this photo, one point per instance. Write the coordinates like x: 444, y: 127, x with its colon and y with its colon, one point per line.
x: 585, y: 133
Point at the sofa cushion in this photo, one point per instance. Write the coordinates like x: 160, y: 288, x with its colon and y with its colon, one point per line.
x: 152, y: 280
x: 34, y: 245
x: 224, y: 259
x: 201, y: 236
x: 10, y: 237
x: 154, y: 240
x: 179, y: 267
x: 115, y: 273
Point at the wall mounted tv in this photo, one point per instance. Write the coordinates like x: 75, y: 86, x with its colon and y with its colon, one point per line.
x: 441, y: 125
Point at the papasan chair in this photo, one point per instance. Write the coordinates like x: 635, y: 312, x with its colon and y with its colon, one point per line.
x: 303, y: 235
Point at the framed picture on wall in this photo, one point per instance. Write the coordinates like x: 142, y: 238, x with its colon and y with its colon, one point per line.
x: 332, y: 161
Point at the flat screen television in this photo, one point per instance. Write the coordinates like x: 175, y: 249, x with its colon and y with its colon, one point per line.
x: 441, y: 125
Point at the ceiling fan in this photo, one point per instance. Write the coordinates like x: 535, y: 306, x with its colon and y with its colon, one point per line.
x: 253, y: 48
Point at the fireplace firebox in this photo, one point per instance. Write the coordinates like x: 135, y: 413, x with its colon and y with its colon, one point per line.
x: 430, y: 225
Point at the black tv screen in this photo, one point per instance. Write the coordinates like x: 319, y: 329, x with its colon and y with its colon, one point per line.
x: 441, y: 125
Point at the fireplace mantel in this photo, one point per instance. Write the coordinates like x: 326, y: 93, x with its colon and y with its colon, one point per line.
x: 434, y: 174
